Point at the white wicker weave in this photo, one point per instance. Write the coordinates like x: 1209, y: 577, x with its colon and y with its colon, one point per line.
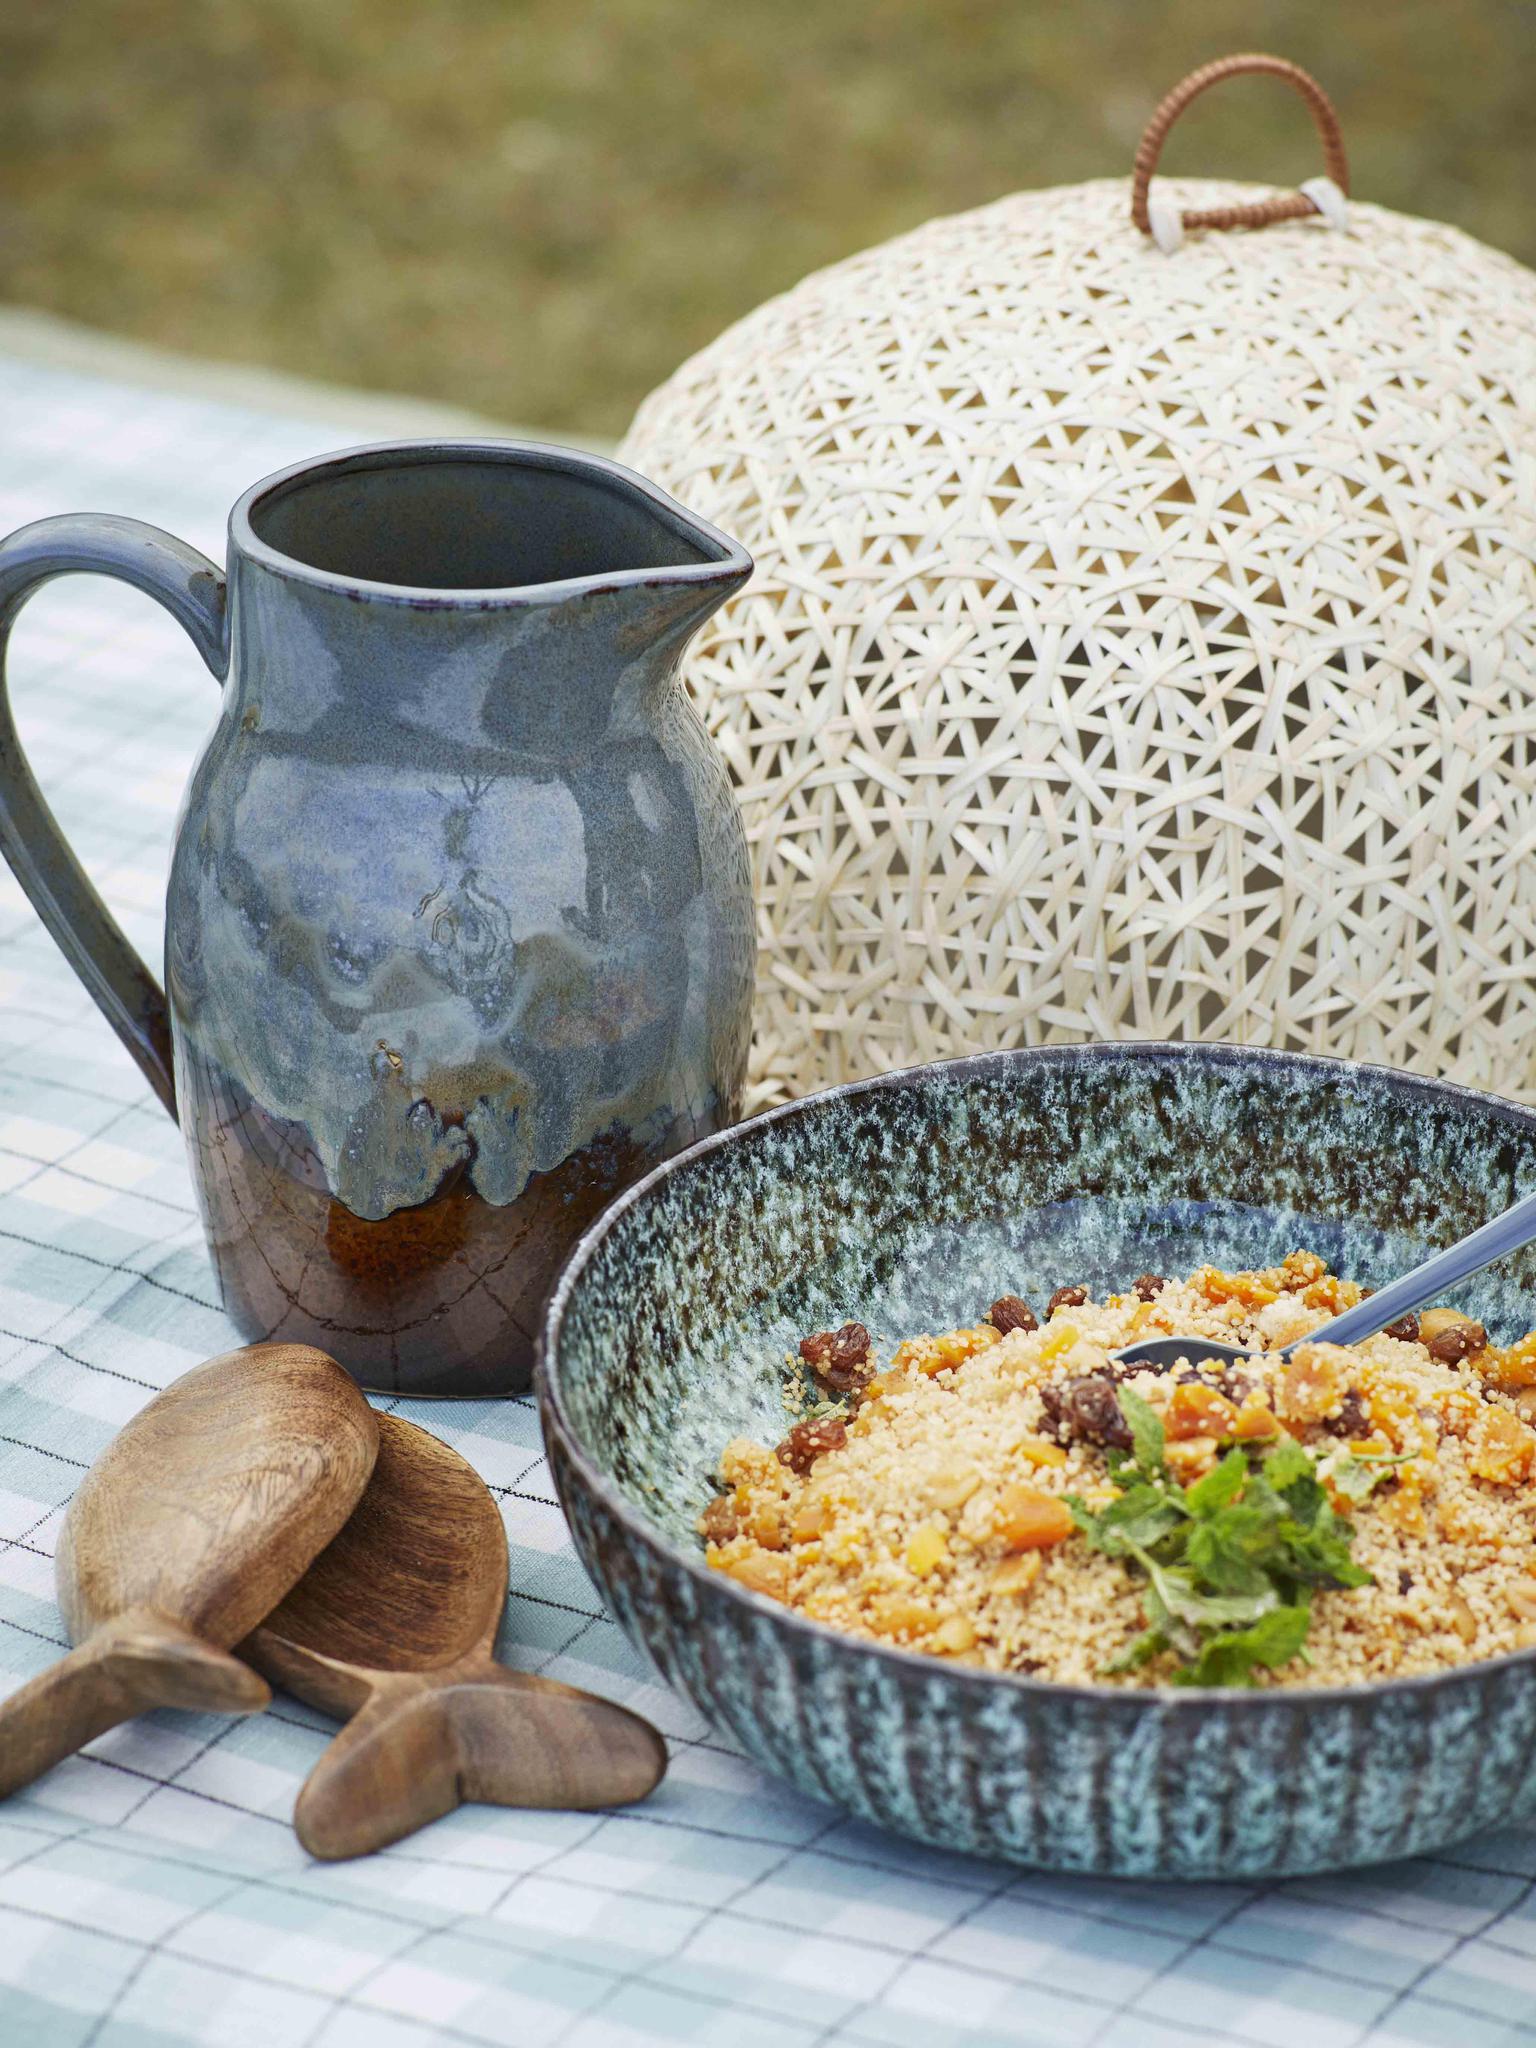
x: 1140, y: 645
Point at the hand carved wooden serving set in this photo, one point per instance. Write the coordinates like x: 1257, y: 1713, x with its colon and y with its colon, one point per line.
x: 260, y: 1518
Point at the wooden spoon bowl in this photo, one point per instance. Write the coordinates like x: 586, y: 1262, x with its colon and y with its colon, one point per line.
x: 393, y: 1625
x: 193, y: 1524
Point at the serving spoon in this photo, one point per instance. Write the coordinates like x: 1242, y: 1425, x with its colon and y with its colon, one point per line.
x: 1506, y: 1233
x: 391, y: 1629
x: 191, y: 1525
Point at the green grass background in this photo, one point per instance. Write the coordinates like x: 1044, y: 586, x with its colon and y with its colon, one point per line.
x: 537, y: 208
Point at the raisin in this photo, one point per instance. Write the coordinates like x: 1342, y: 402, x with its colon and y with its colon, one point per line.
x: 839, y: 1358
x: 808, y: 1441
x: 1116, y: 1370
x: 1066, y: 1297
x: 1405, y: 1582
x: 1234, y: 1384
x: 1053, y: 1415
x: 1405, y: 1329
x: 1351, y: 1422
x: 1148, y: 1285
x: 1451, y: 1346
x: 1010, y: 1313
x: 1085, y: 1410
x: 718, y: 1522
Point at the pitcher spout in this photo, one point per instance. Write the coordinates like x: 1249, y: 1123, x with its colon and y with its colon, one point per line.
x: 671, y: 569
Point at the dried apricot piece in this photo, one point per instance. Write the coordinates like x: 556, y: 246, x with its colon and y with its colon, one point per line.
x: 943, y: 1354
x: 1249, y: 1290
x: 1300, y: 1269
x: 927, y: 1548
x: 759, y: 1572
x: 1034, y: 1450
x: 1195, y: 1409
x: 1394, y: 1410
x: 1403, y: 1507
x: 1514, y: 1367
x: 1461, y: 1617
x: 1016, y: 1574
x: 1027, y: 1519
x: 811, y: 1519
x: 1312, y: 1381
x: 1255, y: 1420
x: 1503, y: 1448
x: 895, y: 1615
x: 1331, y: 1293
x: 1192, y: 1458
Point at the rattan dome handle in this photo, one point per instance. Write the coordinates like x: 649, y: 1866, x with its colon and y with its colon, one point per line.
x: 1258, y: 213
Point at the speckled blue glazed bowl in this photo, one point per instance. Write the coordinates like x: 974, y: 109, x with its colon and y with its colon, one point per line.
x: 912, y: 1201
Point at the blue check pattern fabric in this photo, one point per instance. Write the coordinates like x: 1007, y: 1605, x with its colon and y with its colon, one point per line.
x: 152, y: 1894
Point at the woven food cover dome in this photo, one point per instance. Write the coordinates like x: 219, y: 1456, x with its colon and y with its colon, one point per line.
x: 1141, y: 643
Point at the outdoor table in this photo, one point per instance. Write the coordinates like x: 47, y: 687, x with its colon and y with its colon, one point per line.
x: 152, y: 1891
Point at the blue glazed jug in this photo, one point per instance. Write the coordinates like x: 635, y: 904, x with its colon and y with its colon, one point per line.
x: 459, y: 935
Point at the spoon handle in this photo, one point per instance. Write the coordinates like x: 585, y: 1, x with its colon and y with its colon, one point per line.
x: 129, y: 1665
x: 427, y: 1742
x: 1506, y: 1233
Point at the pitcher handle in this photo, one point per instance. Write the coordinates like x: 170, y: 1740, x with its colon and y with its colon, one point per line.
x: 192, y: 590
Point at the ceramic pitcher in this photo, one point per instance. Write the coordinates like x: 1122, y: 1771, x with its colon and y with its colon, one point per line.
x: 459, y: 932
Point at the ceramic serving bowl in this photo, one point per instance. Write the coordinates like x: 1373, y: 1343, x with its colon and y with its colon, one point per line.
x: 911, y: 1202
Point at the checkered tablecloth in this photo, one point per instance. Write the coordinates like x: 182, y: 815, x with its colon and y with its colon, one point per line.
x: 151, y: 1891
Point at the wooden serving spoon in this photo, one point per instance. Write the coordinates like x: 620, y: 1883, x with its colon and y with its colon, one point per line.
x: 192, y: 1525
x: 393, y: 1626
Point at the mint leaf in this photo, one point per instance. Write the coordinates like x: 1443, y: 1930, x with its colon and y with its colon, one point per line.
x: 1288, y: 1462
x: 1233, y: 1549
x: 1184, y: 1599
x: 1146, y: 1429
x: 1220, y: 1485
x: 1139, y: 1518
x: 1357, y: 1476
x: 1229, y: 1659
x: 1140, y: 1650
x: 1308, y: 1503
x: 1320, y: 1556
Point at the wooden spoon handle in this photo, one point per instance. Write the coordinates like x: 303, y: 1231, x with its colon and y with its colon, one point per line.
x: 425, y: 1745
x: 136, y: 1662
